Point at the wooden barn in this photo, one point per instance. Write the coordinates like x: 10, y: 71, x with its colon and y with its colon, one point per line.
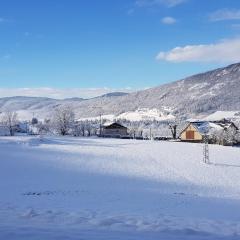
x: 114, y: 130
x: 192, y: 132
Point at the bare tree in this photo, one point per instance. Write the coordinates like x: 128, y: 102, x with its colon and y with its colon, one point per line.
x: 9, y: 120
x: 43, y: 127
x: 77, y: 129
x: 63, y: 119
x: 88, y: 128
x: 133, y: 129
x: 173, y: 128
x: 84, y: 128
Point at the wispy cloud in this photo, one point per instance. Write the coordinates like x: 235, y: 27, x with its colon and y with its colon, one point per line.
x: 60, y: 93
x: 27, y: 34
x: 236, y: 26
x: 167, y: 3
x: 2, y: 20
x: 168, y: 20
x: 130, y: 11
x: 225, y: 14
x: 5, y: 57
x: 227, y: 50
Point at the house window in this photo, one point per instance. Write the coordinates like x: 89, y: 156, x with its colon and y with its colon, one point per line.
x: 189, y: 135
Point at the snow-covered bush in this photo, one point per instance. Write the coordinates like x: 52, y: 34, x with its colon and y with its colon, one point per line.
x: 227, y: 136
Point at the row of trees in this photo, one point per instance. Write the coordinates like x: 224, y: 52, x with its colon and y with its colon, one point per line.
x: 63, y: 123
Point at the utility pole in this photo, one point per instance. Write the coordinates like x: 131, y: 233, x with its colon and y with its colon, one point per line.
x: 205, y: 149
x: 100, y: 125
x: 100, y: 120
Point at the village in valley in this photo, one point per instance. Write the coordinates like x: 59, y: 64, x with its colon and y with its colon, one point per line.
x: 221, y: 127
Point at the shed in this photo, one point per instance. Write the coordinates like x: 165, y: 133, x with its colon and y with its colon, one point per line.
x: 114, y: 130
x: 194, y: 131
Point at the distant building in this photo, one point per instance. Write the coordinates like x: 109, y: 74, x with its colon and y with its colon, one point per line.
x: 223, y: 116
x: 114, y: 130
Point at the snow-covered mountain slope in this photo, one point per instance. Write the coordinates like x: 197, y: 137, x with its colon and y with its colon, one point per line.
x: 87, y: 188
x: 27, y: 107
x: 198, y: 95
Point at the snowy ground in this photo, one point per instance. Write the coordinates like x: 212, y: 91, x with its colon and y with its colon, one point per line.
x: 87, y: 188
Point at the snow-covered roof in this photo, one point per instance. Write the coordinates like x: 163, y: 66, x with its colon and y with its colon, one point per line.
x: 113, y: 124
x: 107, y: 123
x: 206, y: 127
x: 202, y: 127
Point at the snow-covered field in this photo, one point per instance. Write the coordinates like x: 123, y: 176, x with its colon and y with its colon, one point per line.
x: 89, y: 188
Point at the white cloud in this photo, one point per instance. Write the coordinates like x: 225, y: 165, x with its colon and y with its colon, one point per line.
x: 225, y: 51
x: 167, y: 3
x: 59, y: 93
x: 168, y: 20
x: 225, y: 14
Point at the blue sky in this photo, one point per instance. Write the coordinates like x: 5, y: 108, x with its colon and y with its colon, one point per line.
x: 101, y: 46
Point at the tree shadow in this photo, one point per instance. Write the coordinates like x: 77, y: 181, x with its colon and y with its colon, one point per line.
x: 84, y: 141
x: 224, y: 165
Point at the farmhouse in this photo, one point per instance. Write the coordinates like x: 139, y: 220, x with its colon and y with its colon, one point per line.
x: 218, y: 132
x: 114, y: 130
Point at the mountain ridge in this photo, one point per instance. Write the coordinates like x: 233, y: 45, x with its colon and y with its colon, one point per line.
x: 196, y: 95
